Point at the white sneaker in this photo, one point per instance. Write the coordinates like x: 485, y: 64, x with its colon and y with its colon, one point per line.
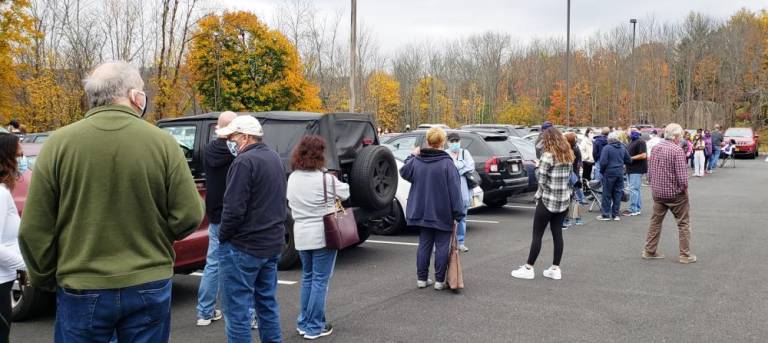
x: 424, y: 284
x: 552, y: 273
x: 463, y: 248
x: 616, y: 219
x: 603, y: 219
x: 524, y: 273
x: 254, y: 324
x: 439, y: 286
x: 217, y: 315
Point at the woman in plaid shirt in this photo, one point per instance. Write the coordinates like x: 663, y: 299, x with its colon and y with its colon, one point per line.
x: 552, y: 198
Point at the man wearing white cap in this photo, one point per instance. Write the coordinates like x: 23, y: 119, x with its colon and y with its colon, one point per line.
x: 251, y: 235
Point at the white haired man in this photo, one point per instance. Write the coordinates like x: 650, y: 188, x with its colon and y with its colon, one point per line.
x: 109, y: 196
x: 669, y: 181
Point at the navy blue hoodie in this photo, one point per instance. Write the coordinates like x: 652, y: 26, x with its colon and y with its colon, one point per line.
x: 255, y: 203
x: 597, y: 147
x: 435, y: 197
x: 613, y: 158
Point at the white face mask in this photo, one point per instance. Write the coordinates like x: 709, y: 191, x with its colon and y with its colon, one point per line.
x: 232, y: 147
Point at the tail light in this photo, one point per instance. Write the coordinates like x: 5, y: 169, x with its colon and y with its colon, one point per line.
x: 492, y: 165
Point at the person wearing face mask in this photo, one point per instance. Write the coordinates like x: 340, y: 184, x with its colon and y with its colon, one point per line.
x: 110, y: 194
x: 252, y: 233
x: 463, y: 161
x: 638, y: 153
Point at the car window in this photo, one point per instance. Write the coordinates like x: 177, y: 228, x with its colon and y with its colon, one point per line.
x: 402, y: 146
x: 501, y: 147
x: 41, y: 139
x: 738, y: 132
x: 478, y: 150
x: 185, y: 136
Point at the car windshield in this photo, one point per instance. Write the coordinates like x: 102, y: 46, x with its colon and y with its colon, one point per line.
x: 501, y: 147
x: 739, y: 132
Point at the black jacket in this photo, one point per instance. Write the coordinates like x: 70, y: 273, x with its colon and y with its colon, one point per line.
x: 255, y: 203
x: 217, y: 158
x: 597, y: 147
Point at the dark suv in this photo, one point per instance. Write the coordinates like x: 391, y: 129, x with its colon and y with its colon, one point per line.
x: 497, y: 160
x: 352, y: 152
x: 509, y: 130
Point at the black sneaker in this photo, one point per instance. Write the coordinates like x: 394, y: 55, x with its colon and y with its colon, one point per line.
x: 327, y: 331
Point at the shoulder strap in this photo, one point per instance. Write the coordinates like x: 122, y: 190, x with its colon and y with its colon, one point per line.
x: 325, y: 190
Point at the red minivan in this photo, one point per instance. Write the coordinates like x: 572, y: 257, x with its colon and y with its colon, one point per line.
x: 746, y: 141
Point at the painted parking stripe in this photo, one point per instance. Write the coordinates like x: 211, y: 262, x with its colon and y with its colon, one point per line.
x: 282, y: 282
x: 391, y: 242
x: 482, y: 221
x: 517, y: 206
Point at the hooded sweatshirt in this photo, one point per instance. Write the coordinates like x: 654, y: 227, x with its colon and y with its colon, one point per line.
x: 597, y: 147
x: 217, y: 158
x: 434, y: 200
x: 613, y: 158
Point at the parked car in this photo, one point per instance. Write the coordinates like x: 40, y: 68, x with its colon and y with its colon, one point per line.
x: 352, y: 152
x: 35, y: 137
x: 532, y: 137
x: 429, y: 126
x: 528, y: 153
x: 747, y: 143
x: 497, y: 161
x: 394, y: 222
x: 510, y: 130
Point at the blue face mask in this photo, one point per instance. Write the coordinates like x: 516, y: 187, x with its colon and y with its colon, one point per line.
x: 454, y: 146
x: 232, y: 147
x: 23, y: 164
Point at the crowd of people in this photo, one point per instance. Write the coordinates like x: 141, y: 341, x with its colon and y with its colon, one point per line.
x: 103, y: 212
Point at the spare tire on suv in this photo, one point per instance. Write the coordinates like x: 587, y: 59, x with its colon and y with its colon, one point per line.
x: 373, y: 179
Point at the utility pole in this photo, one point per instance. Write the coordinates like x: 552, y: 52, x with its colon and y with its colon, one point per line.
x: 634, y: 73
x: 567, y: 68
x: 353, y: 57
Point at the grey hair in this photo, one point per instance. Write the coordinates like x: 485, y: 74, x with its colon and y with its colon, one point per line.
x: 673, y: 131
x: 614, y: 136
x: 110, y: 82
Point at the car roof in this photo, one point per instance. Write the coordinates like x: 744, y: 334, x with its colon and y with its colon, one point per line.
x: 276, y: 115
x: 481, y: 133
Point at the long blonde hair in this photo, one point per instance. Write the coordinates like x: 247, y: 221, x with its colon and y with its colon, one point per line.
x: 554, y: 143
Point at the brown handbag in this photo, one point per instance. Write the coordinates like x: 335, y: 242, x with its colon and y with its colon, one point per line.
x: 453, y: 275
x: 340, y: 226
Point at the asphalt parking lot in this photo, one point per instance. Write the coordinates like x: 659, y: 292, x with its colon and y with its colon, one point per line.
x: 607, y: 294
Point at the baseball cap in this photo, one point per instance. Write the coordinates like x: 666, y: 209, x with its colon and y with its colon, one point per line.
x: 546, y: 125
x: 243, y: 124
x: 453, y: 136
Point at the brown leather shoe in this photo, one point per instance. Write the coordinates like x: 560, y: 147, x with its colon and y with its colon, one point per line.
x: 655, y: 256
x: 688, y: 259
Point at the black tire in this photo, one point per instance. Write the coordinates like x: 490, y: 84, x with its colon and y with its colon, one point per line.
x: 363, y: 233
x: 391, y: 224
x: 289, y: 258
x: 495, y: 203
x: 29, y: 302
x: 373, y: 180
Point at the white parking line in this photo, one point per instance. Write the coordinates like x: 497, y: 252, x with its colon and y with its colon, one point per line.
x: 482, y: 221
x: 282, y: 282
x: 525, y: 207
x: 391, y: 242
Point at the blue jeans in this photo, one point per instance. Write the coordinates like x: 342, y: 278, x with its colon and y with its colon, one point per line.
x: 209, y: 283
x: 596, y: 172
x: 242, y: 276
x: 430, y: 238
x: 461, y: 226
x: 714, y: 158
x: 613, y: 189
x: 139, y: 313
x: 635, y: 197
x: 317, y: 270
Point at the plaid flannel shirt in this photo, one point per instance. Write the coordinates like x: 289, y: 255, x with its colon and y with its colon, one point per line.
x: 668, y: 170
x: 554, y: 189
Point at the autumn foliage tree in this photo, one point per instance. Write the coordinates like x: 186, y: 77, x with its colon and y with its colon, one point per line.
x: 237, y: 63
x: 16, y: 26
x: 383, y: 99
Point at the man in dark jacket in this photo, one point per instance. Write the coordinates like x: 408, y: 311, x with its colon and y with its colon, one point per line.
x: 434, y: 203
x: 217, y: 157
x: 635, y: 170
x: 252, y: 232
x: 597, y: 148
x: 612, y: 160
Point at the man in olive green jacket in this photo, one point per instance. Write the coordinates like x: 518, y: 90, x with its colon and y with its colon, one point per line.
x: 108, y: 197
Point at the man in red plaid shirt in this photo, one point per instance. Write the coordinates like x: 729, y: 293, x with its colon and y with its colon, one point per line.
x: 668, y: 173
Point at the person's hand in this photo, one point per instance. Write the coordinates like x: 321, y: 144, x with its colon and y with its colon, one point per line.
x: 416, y: 151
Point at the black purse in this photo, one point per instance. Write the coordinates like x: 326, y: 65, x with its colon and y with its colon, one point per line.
x: 473, y: 177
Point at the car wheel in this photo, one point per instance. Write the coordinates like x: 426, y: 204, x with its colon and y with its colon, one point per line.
x: 373, y: 180
x: 496, y: 203
x: 391, y: 224
x: 28, y: 302
x: 363, y: 232
x: 289, y: 258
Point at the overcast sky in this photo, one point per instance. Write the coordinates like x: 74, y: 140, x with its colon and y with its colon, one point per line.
x: 396, y: 23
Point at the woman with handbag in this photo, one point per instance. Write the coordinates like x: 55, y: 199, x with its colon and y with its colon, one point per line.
x: 552, y: 200
x: 464, y: 163
x: 574, y: 215
x: 10, y: 255
x: 434, y: 204
x: 311, y: 196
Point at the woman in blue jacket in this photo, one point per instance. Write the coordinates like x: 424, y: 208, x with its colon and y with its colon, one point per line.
x: 434, y: 204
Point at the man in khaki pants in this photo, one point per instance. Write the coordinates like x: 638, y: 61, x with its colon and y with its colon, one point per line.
x: 668, y: 172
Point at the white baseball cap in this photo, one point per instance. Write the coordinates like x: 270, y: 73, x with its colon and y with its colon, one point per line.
x: 245, y: 124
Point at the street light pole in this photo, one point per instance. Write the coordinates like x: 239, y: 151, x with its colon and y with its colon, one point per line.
x: 353, y: 57
x: 567, y: 67
x: 634, y: 71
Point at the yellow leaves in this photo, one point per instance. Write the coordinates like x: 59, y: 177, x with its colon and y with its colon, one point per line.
x: 239, y: 64
x: 521, y: 112
x: 46, y: 105
x: 384, y: 98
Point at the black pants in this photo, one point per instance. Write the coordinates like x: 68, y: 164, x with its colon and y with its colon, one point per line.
x: 541, y: 218
x: 5, y: 311
x: 586, y: 168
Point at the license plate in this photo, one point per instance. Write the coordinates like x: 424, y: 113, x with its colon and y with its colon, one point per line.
x: 515, y: 168
x: 475, y: 201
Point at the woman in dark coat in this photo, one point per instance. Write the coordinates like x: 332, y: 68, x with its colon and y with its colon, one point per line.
x: 434, y: 204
